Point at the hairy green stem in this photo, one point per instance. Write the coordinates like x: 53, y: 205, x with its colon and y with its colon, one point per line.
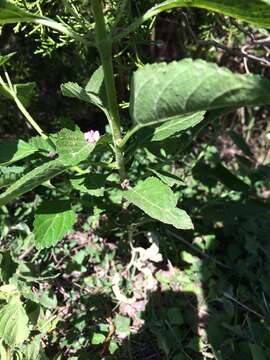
x: 104, y: 46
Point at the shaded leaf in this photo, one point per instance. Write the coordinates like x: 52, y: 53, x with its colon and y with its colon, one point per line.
x: 14, y: 150
x: 158, y: 201
x: 241, y: 143
x: 8, y: 175
x: 92, y: 184
x: 53, y: 220
x: 14, y: 323
x: 163, y: 92
x: 257, y: 352
x: 94, y: 92
x: 24, y: 92
x: 5, y: 58
x: 210, y: 175
x: 32, y: 179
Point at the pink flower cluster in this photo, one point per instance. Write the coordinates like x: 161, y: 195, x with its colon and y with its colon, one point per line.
x: 92, y: 136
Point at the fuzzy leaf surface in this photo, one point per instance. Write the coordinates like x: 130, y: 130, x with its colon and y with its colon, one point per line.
x: 53, y: 220
x: 159, y: 202
x: 163, y: 92
x: 72, y: 147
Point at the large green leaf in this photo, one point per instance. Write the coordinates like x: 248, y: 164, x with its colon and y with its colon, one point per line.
x: 14, y: 323
x: 10, y: 14
x: 53, y: 220
x: 14, y: 150
x: 254, y: 11
x: 72, y: 147
x: 158, y: 201
x: 163, y: 92
x: 32, y: 179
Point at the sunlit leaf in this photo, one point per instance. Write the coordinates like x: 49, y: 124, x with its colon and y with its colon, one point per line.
x: 53, y: 220
x: 158, y: 201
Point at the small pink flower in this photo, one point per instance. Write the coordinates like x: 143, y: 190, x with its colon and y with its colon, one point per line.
x: 92, y: 136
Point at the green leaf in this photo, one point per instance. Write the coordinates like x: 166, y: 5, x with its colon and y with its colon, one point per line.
x: 74, y: 90
x: 8, y: 175
x: 122, y: 325
x: 210, y: 175
x: 5, y: 58
x: 53, y: 220
x: 96, y: 86
x: 253, y: 11
x: 167, y: 178
x: 14, y: 150
x: 10, y: 14
x: 172, y: 127
x: 92, y: 184
x: 175, y: 317
x: 98, y: 339
x: 158, y: 201
x: 257, y: 352
x: 24, y: 92
x: 72, y: 147
x: 14, y: 323
x: 94, y: 92
x: 241, y: 143
x: 32, y: 350
x: 32, y: 179
x: 163, y: 92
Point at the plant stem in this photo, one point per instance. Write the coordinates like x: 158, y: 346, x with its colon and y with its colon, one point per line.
x: 104, y: 46
x: 10, y: 90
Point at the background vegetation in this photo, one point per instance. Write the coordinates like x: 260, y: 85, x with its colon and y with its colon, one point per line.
x: 122, y: 288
